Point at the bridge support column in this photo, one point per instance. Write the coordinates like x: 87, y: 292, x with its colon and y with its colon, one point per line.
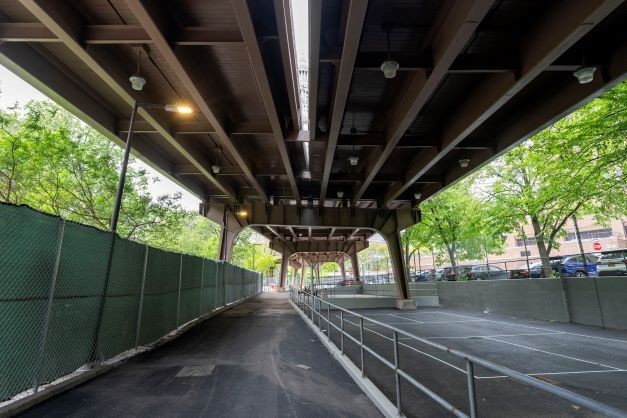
x: 342, y: 269
x: 302, y: 274
x: 227, y: 239
x: 284, y: 263
x: 400, y: 273
x: 355, y: 267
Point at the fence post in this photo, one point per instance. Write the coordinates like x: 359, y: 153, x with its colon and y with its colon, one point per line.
x: 178, y: 303
x: 141, y: 299
x: 202, y: 282
x: 46, y: 323
x: 215, y: 288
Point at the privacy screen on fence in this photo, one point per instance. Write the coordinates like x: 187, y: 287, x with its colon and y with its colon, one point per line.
x: 72, y: 295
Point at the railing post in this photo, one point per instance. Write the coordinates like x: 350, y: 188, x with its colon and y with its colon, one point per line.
x: 397, y: 376
x: 342, y: 331
x: 46, y: 323
x: 472, y: 394
x: 178, y: 303
x: 328, y: 321
x: 141, y: 299
x: 361, y: 345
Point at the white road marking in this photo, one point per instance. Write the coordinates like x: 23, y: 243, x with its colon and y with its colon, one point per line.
x: 485, y: 336
x: 407, y: 319
x: 411, y: 348
x: 552, y: 353
x: 530, y: 327
x: 555, y: 373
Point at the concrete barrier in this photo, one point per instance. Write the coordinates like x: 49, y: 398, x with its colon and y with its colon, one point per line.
x: 588, y: 301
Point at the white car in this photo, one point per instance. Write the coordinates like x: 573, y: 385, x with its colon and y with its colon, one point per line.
x: 612, y: 263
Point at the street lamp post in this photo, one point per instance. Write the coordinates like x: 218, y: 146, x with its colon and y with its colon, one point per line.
x: 113, y: 226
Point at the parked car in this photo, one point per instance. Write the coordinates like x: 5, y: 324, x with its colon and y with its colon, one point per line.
x: 612, y: 263
x: 439, y: 274
x: 569, y: 266
x: 520, y: 273
x: 422, y: 276
x: 486, y: 272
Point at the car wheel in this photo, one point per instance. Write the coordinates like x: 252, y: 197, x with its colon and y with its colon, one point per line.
x: 580, y: 274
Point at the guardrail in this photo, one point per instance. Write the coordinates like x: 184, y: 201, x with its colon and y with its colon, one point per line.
x: 312, y: 308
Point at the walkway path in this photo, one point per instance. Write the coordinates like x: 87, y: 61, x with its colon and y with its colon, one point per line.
x: 258, y: 359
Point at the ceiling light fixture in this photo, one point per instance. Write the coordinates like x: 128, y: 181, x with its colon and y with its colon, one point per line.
x: 585, y: 74
x: 137, y: 81
x: 417, y: 195
x: 178, y: 108
x: 242, y: 213
x: 389, y: 66
x: 463, y: 163
x: 215, y: 168
x: 354, y: 160
x: 340, y: 195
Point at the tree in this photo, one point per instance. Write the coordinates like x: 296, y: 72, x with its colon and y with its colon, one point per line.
x: 455, y: 220
x: 249, y: 253
x: 52, y: 162
x: 576, y: 166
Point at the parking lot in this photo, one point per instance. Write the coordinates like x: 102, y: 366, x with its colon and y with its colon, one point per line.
x: 587, y: 360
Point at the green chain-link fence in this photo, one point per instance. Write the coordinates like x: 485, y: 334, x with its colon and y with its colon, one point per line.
x: 72, y: 295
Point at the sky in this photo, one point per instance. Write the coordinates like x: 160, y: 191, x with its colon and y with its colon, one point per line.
x: 13, y: 89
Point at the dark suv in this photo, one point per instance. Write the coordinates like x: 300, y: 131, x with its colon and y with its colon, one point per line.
x: 569, y: 266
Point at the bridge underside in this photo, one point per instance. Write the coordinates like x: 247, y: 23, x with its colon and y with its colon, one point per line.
x: 475, y: 78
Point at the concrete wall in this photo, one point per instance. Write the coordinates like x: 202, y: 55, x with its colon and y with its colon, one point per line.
x: 599, y: 302
x: 425, y: 294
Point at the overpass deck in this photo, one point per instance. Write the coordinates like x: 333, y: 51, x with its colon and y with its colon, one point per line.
x: 256, y: 359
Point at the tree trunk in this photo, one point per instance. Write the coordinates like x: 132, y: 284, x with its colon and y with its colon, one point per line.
x: 451, y: 254
x: 542, y: 250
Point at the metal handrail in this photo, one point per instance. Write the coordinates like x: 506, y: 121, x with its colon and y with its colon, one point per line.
x: 306, y: 301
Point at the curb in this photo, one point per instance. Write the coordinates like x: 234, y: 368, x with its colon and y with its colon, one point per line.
x: 373, y: 393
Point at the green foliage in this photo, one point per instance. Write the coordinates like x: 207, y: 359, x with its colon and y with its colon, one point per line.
x: 249, y: 253
x: 454, y: 224
x: 52, y: 162
x: 576, y: 166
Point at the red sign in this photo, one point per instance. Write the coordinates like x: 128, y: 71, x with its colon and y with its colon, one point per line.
x: 597, y: 246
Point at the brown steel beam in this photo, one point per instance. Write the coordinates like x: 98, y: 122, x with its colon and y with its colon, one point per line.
x: 64, y: 23
x: 245, y: 22
x: 147, y: 15
x: 116, y: 34
x: 354, y: 25
x: 560, y: 29
x: 283, y: 13
x: 315, y: 14
x: 451, y: 37
x: 52, y: 78
x: 197, y: 128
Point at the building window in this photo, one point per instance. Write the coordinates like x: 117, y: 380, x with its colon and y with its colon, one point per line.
x: 525, y: 253
x: 521, y: 242
x: 594, y: 234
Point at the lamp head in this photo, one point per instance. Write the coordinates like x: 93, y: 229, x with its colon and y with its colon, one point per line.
x: 137, y: 82
x: 585, y: 74
x: 464, y: 162
x: 389, y: 68
x: 353, y: 160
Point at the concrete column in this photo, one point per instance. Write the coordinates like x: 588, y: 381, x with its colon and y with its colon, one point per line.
x: 355, y: 266
x: 318, y: 273
x: 227, y: 239
x: 400, y: 273
x: 342, y: 270
x: 295, y: 275
x: 284, y: 260
x: 302, y: 275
